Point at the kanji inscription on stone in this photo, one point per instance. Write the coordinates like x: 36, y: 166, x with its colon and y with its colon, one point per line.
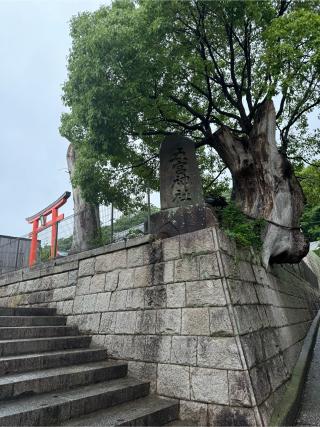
x: 180, y: 183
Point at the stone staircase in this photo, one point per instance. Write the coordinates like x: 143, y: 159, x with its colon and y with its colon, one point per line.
x: 50, y: 376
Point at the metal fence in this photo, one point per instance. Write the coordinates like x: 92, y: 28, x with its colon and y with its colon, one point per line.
x: 114, y: 226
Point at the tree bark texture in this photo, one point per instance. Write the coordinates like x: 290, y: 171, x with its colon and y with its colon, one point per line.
x: 86, y: 229
x: 264, y: 186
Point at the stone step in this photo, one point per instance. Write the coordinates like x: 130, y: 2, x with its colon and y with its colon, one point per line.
x: 27, y: 311
x: 27, y: 332
x: 52, y: 359
x: 38, y: 345
x: 62, y: 378
x: 147, y: 411
x: 32, y: 321
x: 55, y: 408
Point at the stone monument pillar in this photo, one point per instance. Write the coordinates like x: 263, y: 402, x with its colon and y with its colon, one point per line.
x: 183, y: 208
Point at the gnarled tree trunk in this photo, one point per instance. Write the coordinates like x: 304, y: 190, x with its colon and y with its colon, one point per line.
x: 264, y: 186
x: 86, y: 229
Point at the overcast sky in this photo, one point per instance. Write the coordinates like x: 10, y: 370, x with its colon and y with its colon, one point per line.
x: 34, y: 44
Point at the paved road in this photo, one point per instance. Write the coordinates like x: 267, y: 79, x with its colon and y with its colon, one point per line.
x: 310, y: 406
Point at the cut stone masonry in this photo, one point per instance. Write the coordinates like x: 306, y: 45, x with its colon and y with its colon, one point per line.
x: 200, y: 319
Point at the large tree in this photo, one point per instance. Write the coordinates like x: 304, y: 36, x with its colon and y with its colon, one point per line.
x: 211, y: 70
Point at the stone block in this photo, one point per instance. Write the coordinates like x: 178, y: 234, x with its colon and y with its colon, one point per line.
x: 43, y: 297
x: 277, y: 372
x: 290, y: 355
x: 111, y: 281
x: 103, y: 301
x: 63, y: 294
x: 220, y: 323
x: 86, y: 267
x: 143, y: 276
x: 157, y: 348
x: 197, y: 242
x: 269, y: 296
x: 225, y: 243
x: 72, y: 277
x: 242, y: 293
x: 209, y: 385
x: 133, y: 346
x: 209, y: 267
x: 89, y: 303
x: 135, y: 298
x: 125, y: 322
x: 108, y: 322
x: 126, y: 279
x: 155, y: 297
x: 229, y: 267
x: 83, y: 286
x: 162, y: 273
x: 176, y: 295
x: 144, y: 372
x: 194, y: 412
x: 87, y: 323
x: 221, y: 353
x: 78, y: 304
x: 114, y: 345
x: 253, y: 348
x: 260, y: 383
x: 186, y: 269
x: 111, y: 261
x: 246, y: 272
x: 195, y: 321
x: 184, y: 350
x: 118, y: 300
x: 247, y: 318
x: 139, y: 255
x: 239, y: 389
x: 46, y: 282
x: 67, y: 307
x: 173, y: 381
x: 146, y: 322
x: 168, y: 321
x: 60, y: 280
x: 205, y: 293
x: 171, y: 248
x: 181, y: 220
x: 97, y: 284
x: 230, y: 416
x: 261, y: 275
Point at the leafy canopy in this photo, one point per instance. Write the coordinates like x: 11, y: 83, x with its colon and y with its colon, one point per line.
x: 139, y: 70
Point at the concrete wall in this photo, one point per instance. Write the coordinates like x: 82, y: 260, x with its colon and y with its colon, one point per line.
x: 204, y: 322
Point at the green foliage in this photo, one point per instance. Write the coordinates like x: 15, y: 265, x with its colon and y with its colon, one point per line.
x: 310, y: 222
x: 309, y: 178
x: 127, y: 222
x: 246, y: 232
x: 142, y: 69
x: 45, y: 253
x: 64, y: 244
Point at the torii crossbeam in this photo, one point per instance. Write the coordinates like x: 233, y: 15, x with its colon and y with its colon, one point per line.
x: 41, y: 216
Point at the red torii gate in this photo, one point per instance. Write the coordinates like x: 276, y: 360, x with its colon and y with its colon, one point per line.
x: 42, y: 217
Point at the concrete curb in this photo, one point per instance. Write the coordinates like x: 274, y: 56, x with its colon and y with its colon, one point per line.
x: 288, y: 407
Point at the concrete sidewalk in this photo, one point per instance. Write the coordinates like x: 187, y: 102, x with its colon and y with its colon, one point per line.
x: 309, y: 414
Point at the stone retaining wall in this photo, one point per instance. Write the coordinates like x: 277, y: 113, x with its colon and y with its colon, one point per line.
x: 204, y: 322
